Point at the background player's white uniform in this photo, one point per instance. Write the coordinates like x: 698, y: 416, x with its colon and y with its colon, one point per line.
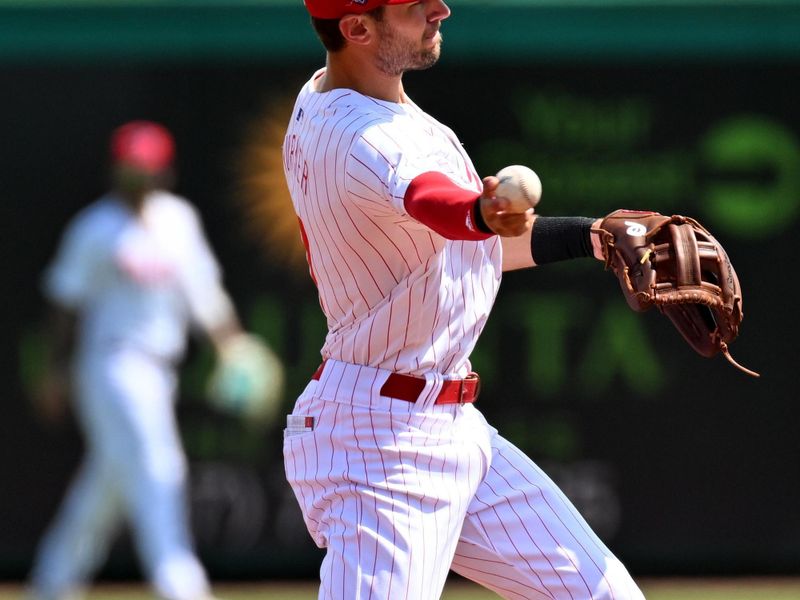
x: 136, y: 283
x: 399, y: 492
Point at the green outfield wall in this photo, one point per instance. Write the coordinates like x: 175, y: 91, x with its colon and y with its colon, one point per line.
x: 192, y: 31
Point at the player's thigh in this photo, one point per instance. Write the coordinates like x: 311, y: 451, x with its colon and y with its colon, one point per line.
x: 127, y: 406
x: 349, y: 449
x: 385, y: 493
x: 387, y: 545
x: 524, y: 539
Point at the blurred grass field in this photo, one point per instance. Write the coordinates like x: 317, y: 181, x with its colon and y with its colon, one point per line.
x: 654, y: 589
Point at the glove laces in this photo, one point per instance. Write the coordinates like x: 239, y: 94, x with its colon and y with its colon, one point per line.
x: 726, y: 352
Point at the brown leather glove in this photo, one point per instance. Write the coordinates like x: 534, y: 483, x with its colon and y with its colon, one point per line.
x: 676, y: 265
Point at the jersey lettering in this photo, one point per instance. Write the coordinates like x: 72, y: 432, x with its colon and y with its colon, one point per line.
x: 295, y: 163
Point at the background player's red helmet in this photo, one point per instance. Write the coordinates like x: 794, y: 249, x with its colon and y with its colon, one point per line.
x: 335, y: 9
x: 143, y: 144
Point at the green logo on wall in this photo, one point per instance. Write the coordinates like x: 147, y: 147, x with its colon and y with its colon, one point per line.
x: 754, y: 187
x: 742, y: 177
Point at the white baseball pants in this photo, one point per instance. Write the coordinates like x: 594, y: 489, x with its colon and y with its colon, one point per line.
x: 399, y: 493
x: 134, y: 468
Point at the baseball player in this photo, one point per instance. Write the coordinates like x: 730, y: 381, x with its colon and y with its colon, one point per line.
x: 396, y: 471
x: 132, y: 273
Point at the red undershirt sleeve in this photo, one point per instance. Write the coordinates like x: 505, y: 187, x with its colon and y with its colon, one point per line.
x: 435, y: 200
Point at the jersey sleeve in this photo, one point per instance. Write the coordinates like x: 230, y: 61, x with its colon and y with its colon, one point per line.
x: 68, y: 279
x: 201, y: 277
x: 388, y: 172
x: 383, y: 161
x: 371, y: 179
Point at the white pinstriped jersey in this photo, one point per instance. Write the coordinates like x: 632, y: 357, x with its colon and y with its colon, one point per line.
x: 138, y: 280
x: 397, y: 295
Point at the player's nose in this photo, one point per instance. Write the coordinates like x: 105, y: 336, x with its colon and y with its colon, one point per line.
x: 439, y: 11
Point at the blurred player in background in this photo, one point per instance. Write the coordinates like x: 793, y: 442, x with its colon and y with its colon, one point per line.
x: 397, y: 473
x: 132, y: 274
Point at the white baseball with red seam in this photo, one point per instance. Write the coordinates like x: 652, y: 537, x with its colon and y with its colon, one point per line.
x: 521, y: 186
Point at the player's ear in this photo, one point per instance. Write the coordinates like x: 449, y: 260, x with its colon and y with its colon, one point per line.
x: 355, y: 29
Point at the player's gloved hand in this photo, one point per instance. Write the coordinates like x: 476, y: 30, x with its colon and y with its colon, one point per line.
x: 495, y: 212
x: 674, y: 264
x: 248, y: 380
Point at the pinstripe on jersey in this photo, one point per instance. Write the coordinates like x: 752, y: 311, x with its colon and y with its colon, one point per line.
x: 396, y: 295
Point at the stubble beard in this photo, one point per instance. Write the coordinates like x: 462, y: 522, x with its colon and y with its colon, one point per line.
x: 397, y: 55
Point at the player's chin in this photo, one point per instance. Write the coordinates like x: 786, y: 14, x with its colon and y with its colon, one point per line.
x: 428, y: 58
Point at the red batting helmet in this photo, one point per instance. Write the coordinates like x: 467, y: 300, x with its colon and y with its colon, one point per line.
x: 335, y: 9
x: 144, y: 145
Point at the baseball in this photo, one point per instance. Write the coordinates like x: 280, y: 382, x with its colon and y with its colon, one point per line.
x: 520, y: 185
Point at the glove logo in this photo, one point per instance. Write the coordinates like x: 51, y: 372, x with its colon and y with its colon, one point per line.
x: 635, y: 229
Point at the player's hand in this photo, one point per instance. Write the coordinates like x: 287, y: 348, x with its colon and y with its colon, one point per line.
x: 248, y: 380
x: 496, y: 215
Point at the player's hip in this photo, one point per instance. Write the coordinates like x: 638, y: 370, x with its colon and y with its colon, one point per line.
x: 341, y: 424
x: 386, y: 390
x: 338, y: 454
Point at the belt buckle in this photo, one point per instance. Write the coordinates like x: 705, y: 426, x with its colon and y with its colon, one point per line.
x: 461, y: 388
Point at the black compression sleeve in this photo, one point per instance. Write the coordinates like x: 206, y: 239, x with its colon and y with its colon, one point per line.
x: 561, y: 238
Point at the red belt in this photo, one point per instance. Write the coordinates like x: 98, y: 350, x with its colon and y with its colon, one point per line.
x: 408, y: 388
